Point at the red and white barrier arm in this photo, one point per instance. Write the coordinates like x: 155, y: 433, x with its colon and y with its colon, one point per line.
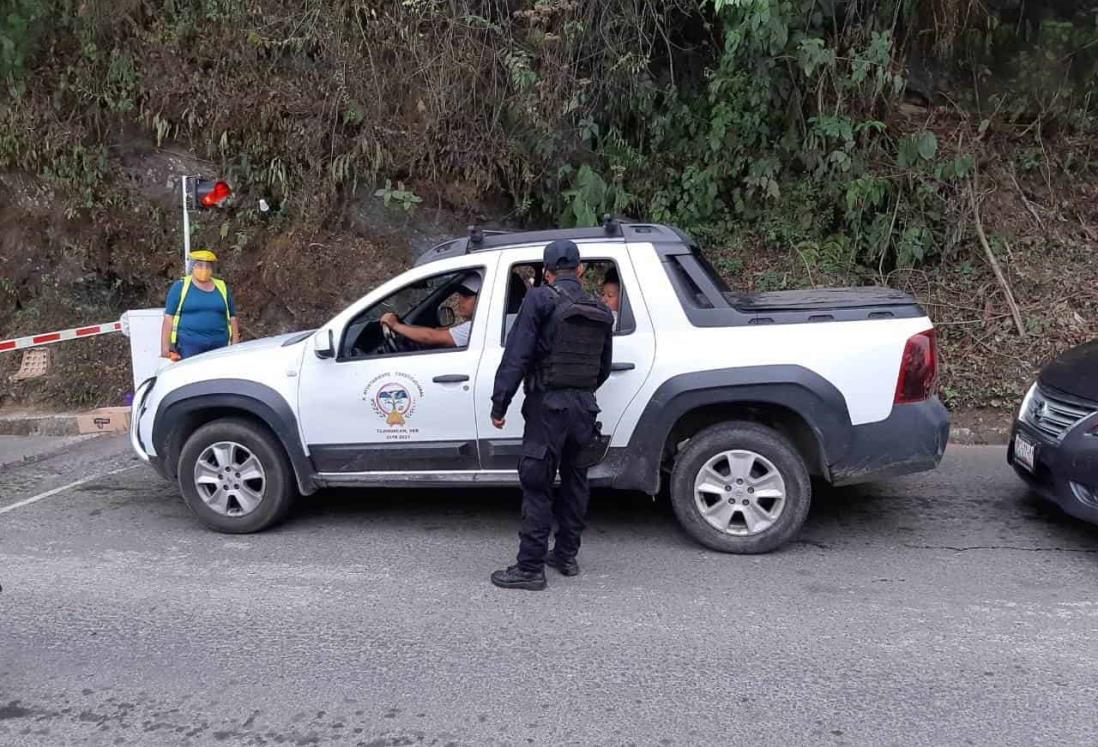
x: 33, y: 341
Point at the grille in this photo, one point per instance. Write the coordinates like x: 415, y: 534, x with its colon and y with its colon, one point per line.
x: 1055, y: 416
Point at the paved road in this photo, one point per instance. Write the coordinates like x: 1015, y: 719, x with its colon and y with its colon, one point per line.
x: 16, y: 449
x: 948, y: 608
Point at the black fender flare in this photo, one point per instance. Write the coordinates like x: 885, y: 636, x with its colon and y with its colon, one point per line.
x: 813, y: 398
x: 257, y: 400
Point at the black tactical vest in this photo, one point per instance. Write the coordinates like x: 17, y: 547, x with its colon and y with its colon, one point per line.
x: 580, y: 326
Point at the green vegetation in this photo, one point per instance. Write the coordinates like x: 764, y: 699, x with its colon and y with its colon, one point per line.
x: 773, y: 119
x: 844, y: 136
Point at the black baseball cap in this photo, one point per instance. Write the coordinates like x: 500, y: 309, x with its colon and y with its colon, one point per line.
x: 561, y: 254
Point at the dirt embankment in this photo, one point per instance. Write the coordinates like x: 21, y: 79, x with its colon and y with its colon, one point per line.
x: 60, y: 271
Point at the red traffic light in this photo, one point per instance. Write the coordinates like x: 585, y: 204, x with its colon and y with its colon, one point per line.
x: 209, y: 193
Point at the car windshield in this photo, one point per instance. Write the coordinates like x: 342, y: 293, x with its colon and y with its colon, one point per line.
x: 409, y: 298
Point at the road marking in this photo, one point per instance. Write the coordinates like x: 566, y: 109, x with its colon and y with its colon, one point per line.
x: 63, y: 488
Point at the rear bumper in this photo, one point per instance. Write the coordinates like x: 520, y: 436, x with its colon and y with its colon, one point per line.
x: 912, y: 438
x: 1065, y: 472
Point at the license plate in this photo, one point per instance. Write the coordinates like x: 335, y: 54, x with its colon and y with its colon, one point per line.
x: 1024, y: 452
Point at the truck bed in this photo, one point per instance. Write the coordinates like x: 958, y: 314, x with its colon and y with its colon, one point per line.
x: 822, y: 300
x: 708, y: 302
x: 823, y: 305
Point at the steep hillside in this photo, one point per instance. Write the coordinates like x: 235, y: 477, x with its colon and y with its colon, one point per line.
x: 803, y: 142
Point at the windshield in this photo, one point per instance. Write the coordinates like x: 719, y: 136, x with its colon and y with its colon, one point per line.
x: 410, y: 297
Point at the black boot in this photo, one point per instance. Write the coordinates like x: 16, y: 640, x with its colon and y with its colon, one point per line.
x: 516, y: 578
x: 565, y: 567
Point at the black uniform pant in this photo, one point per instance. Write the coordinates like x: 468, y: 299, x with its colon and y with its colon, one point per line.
x: 559, y: 426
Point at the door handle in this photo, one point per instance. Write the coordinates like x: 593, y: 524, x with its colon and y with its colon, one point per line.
x: 450, y: 378
x: 622, y: 366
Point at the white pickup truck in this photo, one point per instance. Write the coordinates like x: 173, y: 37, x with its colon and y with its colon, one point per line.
x: 733, y: 401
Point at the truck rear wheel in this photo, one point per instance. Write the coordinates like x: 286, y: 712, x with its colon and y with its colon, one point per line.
x: 235, y: 476
x: 740, y: 487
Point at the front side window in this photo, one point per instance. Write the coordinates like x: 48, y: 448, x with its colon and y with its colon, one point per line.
x: 434, y: 302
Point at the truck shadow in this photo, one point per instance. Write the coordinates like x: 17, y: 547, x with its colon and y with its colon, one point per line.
x: 414, y: 506
x: 906, y: 512
x: 1006, y: 515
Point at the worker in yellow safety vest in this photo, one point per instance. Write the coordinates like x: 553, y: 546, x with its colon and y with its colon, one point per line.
x: 200, y: 313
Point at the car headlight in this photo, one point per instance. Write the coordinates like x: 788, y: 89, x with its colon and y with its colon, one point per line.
x: 1026, y: 402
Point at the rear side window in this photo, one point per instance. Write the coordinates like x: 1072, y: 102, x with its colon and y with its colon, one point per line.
x: 695, y: 281
x: 601, y: 279
x: 709, y: 270
x: 688, y: 291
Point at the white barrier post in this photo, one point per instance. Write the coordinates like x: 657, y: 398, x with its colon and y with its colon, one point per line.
x: 143, y: 327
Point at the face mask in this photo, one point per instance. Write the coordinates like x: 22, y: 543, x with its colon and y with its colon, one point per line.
x: 202, y: 274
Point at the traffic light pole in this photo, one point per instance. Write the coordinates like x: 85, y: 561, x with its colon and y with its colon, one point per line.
x: 186, y: 226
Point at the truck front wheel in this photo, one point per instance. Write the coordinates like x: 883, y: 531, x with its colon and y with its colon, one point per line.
x: 235, y: 477
x: 740, y: 487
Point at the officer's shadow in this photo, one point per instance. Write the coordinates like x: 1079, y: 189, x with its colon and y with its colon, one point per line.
x: 610, y: 511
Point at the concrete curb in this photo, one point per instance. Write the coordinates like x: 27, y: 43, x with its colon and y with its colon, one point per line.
x: 996, y: 436
x: 61, y: 424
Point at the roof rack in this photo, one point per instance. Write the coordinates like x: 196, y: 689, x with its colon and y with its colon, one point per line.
x: 480, y: 239
x: 477, y: 234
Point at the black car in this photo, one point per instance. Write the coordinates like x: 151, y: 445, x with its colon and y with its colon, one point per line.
x: 1054, y: 445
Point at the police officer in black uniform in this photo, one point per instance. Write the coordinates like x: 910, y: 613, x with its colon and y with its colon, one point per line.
x: 560, y: 349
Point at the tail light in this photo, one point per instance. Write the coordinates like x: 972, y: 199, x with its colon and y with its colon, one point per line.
x: 919, y: 369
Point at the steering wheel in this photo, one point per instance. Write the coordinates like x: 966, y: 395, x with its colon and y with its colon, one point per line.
x: 389, y: 340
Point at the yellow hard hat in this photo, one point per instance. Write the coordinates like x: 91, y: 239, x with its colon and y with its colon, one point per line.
x: 203, y: 255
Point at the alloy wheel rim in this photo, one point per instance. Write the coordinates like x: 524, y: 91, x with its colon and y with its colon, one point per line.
x: 230, y: 479
x: 740, y: 492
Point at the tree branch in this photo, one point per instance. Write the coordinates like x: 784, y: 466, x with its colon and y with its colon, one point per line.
x: 999, y: 276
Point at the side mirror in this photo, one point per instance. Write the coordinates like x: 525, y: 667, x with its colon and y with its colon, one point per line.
x: 445, y: 316
x: 324, y: 345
